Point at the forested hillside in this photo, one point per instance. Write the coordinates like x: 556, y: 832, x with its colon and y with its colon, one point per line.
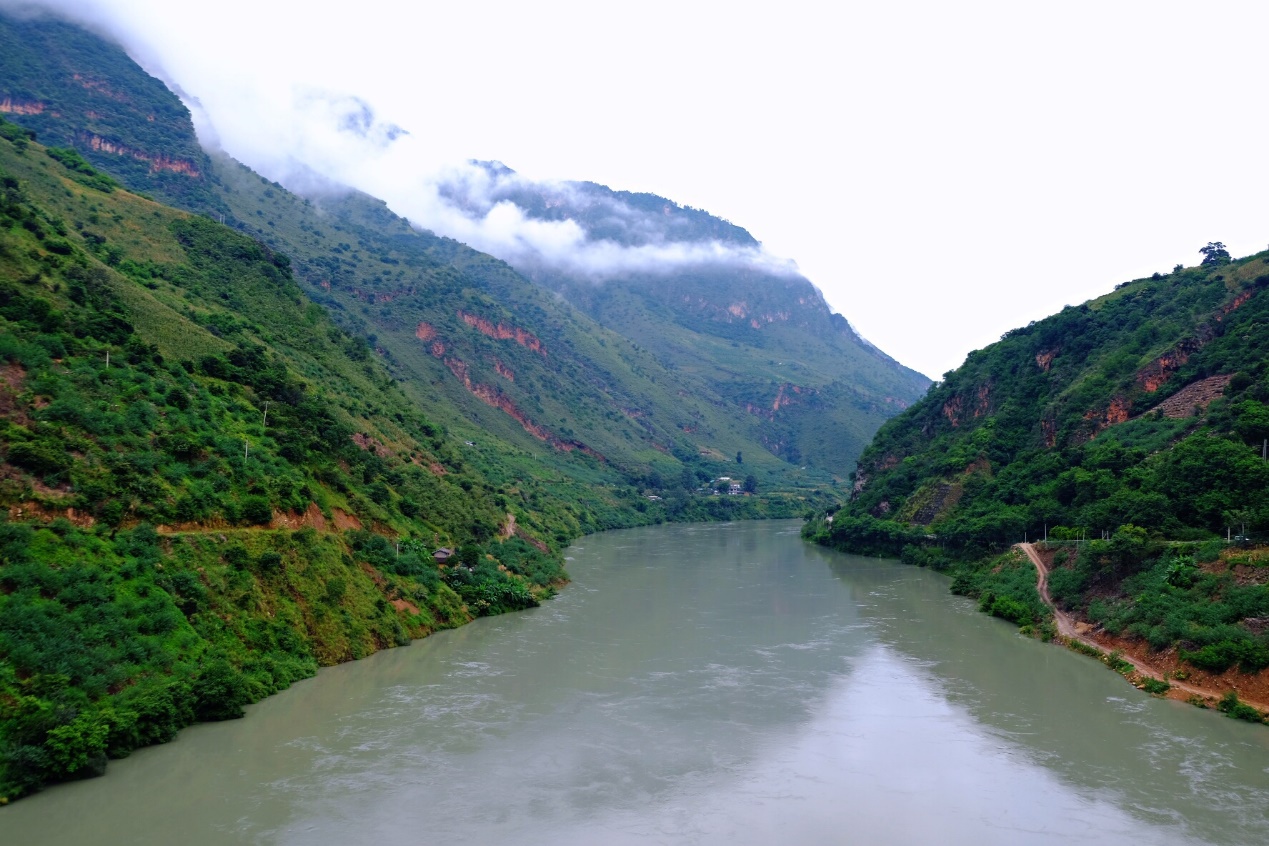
x: 660, y: 392
x: 758, y: 337
x: 231, y: 441
x: 1137, y: 422
x: 208, y: 488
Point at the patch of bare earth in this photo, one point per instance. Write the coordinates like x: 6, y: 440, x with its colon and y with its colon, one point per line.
x: 1252, y: 688
x: 344, y: 521
x: 403, y: 605
x: 311, y: 517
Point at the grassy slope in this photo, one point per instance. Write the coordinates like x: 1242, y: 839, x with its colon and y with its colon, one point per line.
x: 802, y: 383
x: 1059, y: 426
x: 113, y: 634
x: 635, y: 394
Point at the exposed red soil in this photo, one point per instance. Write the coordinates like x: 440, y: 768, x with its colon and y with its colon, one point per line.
x: 344, y: 521
x: 311, y: 517
x: 39, y: 511
x: 156, y: 161
x: 1252, y: 688
x: 370, y: 444
x: 403, y: 605
x: 501, y: 332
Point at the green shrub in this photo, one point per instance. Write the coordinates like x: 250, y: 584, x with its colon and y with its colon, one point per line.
x: 220, y: 691
x: 1231, y: 706
x: 256, y: 511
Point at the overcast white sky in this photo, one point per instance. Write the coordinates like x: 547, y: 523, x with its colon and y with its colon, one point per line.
x: 942, y: 171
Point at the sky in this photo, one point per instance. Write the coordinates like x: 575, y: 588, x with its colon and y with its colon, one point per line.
x: 943, y: 172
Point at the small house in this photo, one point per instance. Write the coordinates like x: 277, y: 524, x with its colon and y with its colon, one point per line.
x: 442, y: 555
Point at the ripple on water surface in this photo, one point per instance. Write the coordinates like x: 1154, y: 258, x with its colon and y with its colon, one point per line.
x: 696, y: 684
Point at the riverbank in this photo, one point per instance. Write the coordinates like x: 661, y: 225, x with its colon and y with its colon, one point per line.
x: 701, y: 684
x: 1186, y: 682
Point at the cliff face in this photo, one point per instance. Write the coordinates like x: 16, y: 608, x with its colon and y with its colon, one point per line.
x: 158, y: 162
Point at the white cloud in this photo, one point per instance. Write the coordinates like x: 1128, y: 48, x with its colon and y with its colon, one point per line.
x: 944, y: 172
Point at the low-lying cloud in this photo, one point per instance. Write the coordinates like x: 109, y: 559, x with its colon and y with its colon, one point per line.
x: 579, y: 230
x: 307, y: 136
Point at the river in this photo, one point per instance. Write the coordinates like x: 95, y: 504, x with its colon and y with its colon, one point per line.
x: 719, y: 683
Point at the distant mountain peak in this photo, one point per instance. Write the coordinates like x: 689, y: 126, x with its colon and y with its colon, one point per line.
x: 624, y: 218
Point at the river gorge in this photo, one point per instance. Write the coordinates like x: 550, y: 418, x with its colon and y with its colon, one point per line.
x: 708, y: 683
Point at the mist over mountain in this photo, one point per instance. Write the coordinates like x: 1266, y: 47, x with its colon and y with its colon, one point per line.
x: 336, y: 138
x: 725, y: 322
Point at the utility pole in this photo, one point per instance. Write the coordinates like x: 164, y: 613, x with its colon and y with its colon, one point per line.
x: 107, y: 359
x: 246, y: 450
x: 266, y: 413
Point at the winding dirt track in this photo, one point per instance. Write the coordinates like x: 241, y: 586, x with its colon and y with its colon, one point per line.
x: 1066, y: 629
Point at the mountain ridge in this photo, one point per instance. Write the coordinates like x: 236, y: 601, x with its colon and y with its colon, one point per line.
x: 1128, y: 432
x: 718, y: 406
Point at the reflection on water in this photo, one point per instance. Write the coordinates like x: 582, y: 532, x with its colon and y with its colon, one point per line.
x: 696, y: 684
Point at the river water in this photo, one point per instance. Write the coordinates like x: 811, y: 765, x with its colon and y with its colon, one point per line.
x: 696, y: 684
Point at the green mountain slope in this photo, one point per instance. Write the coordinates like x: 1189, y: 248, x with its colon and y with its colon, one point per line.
x: 1136, y: 420
x: 501, y: 360
x: 763, y: 341
x: 647, y: 399
x: 77, y: 90
x: 208, y: 488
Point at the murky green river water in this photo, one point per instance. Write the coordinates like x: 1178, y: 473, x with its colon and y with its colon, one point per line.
x: 696, y: 684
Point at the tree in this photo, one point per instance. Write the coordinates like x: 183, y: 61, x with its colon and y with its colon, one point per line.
x: 1214, y: 253
x: 751, y: 484
x: 740, y: 459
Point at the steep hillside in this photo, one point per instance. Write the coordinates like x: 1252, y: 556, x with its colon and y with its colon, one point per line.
x: 1136, y: 420
x: 532, y: 383
x: 76, y: 90
x: 719, y: 314
x: 670, y: 388
x: 208, y: 489
x: 509, y: 360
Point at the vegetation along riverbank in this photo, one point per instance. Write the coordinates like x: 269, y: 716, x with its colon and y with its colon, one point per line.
x: 1130, y: 432
x: 245, y: 433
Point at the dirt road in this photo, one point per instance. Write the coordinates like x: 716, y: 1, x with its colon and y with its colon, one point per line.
x: 1067, y: 629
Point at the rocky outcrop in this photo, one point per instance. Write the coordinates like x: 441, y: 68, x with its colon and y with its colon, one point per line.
x: 157, y: 161
x: 1156, y: 374
x: 9, y: 106
x: 493, y: 397
x: 501, y: 332
x: 100, y: 86
x: 1193, y: 399
x: 958, y: 409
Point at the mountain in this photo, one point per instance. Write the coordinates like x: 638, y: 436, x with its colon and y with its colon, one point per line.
x: 702, y: 296
x: 77, y: 90
x: 649, y: 398
x: 209, y: 489
x: 236, y: 423
x: 1137, y: 420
